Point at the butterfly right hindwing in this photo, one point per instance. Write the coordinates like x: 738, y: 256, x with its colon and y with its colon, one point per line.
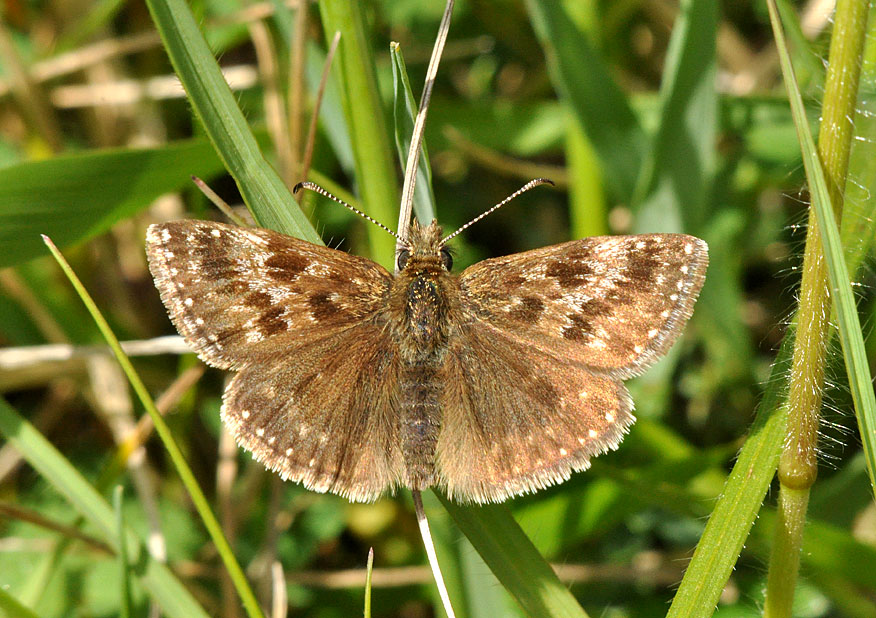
x: 516, y: 420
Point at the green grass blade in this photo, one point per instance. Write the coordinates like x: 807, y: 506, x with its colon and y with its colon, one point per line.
x: 365, y: 117
x: 125, y: 576
x: 737, y: 508
x: 676, y: 176
x: 162, y: 585
x: 588, y: 208
x: 188, y: 478
x: 369, y: 568
x: 74, y: 197
x: 850, y: 334
x: 514, y: 560
x: 594, y: 97
x: 262, y: 189
x: 404, y: 111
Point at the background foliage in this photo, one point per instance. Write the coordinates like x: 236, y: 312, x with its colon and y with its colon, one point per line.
x: 649, y: 116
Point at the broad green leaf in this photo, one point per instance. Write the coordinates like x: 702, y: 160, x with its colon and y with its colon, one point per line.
x: 671, y: 191
x: 581, y: 77
x: 514, y: 560
x: 737, y: 508
x: 74, y: 197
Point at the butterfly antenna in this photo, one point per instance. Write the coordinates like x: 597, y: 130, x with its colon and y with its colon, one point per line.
x: 529, y: 185
x: 315, y: 187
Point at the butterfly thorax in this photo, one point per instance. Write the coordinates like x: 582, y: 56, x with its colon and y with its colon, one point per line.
x: 423, y: 296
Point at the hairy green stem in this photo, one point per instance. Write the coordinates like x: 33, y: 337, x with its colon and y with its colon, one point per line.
x: 798, y: 466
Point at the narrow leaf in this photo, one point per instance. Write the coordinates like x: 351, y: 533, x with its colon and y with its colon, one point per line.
x: 514, y: 560
x: 267, y: 197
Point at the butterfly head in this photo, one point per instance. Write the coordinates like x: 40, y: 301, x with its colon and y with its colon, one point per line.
x: 425, y: 249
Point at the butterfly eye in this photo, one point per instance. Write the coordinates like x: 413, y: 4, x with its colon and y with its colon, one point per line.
x: 446, y: 258
x: 402, y: 259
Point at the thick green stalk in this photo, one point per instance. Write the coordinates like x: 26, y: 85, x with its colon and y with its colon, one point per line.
x: 798, y: 465
x: 376, y: 178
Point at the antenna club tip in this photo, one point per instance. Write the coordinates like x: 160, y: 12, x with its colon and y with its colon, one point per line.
x: 546, y: 181
x: 297, y: 188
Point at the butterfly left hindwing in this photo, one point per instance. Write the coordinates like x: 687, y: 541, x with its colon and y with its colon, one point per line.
x: 326, y: 416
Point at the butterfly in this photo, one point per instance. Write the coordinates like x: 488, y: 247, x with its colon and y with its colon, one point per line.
x: 489, y: 384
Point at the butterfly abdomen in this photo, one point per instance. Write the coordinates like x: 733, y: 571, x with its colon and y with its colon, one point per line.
x: 420, y: 422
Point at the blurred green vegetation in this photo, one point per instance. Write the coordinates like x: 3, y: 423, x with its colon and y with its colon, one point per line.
x: 650, y: 116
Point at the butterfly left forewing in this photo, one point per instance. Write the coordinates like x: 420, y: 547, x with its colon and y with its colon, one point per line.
x: 241, y: 294
x: 611, y: 303
x: 516, y: 420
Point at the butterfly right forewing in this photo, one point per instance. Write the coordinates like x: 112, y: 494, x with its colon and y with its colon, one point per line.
x: 610, y: 303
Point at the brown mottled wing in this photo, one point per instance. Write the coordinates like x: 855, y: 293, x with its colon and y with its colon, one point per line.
x: 238, y: 295
x: 612, y: 303
x: 517, y: 420
x: 326, y: 416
